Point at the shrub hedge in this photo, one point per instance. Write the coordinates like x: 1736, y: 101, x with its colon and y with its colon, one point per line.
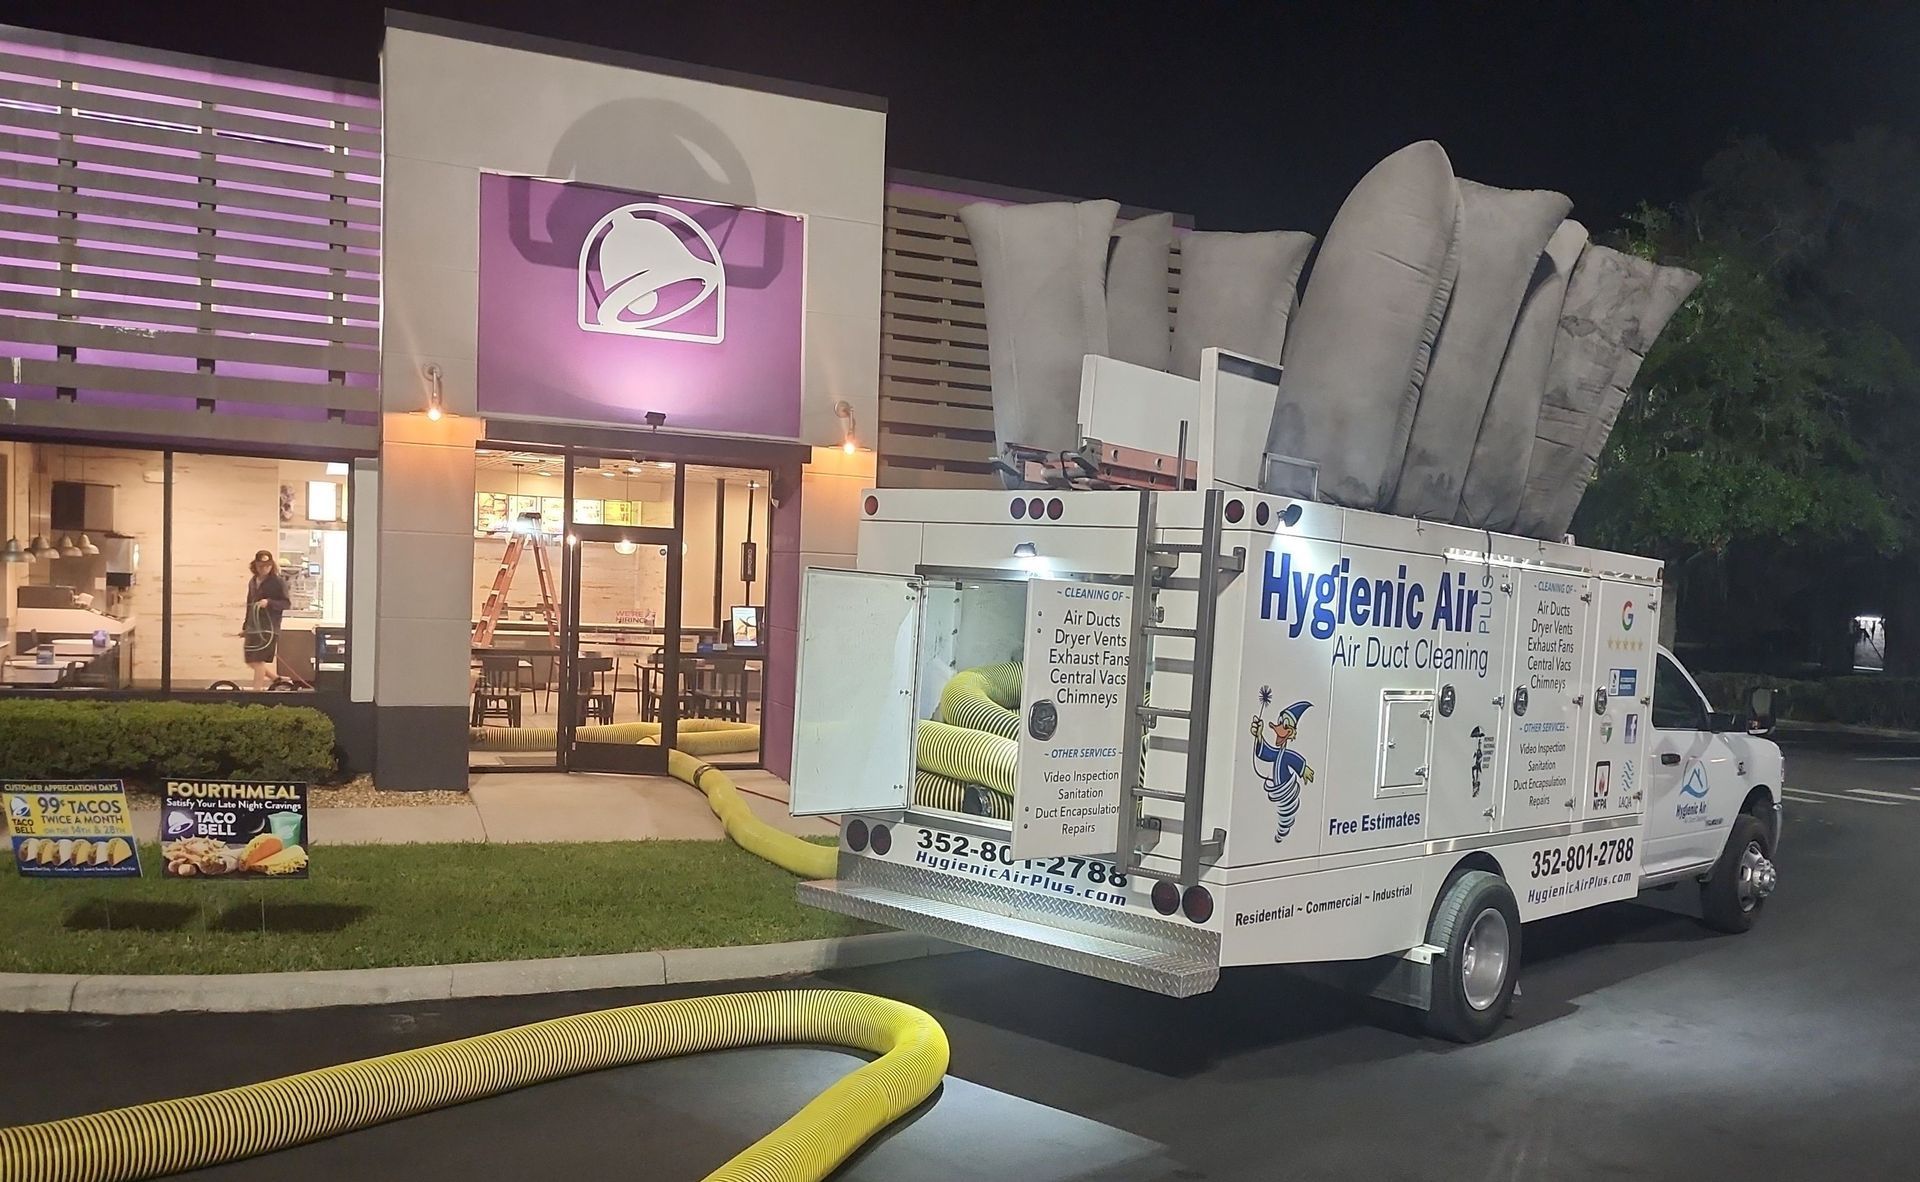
x: 145, y: 742
x: 1870, y: 700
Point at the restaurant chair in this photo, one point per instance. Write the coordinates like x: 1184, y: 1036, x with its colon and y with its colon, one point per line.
x: 715, y: 692
x: 594, y: 694
x: 498, y: 693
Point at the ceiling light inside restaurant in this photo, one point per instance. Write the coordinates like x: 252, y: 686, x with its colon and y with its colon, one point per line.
x: 68, y: 549
x: 41, y: 548
x: 13, y: 553
x: 87, y: 547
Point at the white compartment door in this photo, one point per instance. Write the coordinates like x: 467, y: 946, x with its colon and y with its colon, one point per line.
x: 853, y: 717
x: 1067, y: 792
x: 1546, y: 770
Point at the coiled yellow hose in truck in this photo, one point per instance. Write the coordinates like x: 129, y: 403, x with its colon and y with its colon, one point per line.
x: 932, y: 790
x: 972, y: 757
x: 983, y: 699
x: 171, y: 1136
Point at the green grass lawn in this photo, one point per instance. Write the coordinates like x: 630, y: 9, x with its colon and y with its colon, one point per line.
x: 367, y: 906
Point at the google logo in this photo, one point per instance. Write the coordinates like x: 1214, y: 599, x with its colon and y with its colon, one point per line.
x: 1626, y: 616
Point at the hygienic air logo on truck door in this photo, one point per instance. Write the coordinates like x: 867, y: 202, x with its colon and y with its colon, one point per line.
x: 1282, y: 771
x: 1691, y: 804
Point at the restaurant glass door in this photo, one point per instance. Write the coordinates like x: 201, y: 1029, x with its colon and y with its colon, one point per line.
x: 621, y: 643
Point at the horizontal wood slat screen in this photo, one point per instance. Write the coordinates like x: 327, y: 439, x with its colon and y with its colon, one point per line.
x: 936, y: 417
x: 186, y: 253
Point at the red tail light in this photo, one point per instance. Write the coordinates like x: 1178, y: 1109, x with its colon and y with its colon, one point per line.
x: 883, y: 841
x: 1197, y: 903
x: 857, y: 834
x: 872, y: 506
x: 1166, y: 898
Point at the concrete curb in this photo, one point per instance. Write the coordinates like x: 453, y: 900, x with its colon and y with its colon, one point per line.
x: 52, y: 993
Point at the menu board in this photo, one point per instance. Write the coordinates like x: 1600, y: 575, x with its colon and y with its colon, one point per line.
x: 71, y: 829
x: 234, y: 828
x: 491, y: 513
x: 621, y: 513
x: 587, y: 512
x: 553, y: 512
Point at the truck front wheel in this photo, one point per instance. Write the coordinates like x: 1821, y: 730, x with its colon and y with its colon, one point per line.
x: 1732, y: 896
x: 1477, y: 923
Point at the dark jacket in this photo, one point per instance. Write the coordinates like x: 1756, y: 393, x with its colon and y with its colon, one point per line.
x: 271, y: 588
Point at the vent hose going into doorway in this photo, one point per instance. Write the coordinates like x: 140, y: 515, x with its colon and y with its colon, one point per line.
x: 745, y: 829
x: 192, y: 1132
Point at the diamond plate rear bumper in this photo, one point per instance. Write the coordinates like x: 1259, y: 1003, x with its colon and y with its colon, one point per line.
x: 1158, y: 956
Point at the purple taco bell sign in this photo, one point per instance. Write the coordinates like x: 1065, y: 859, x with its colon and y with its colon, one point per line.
x: 601, y: 305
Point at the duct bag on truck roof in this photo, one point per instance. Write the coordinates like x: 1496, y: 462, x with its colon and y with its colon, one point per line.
x: 1357, y: 349
x: 1139, y: 323
x: 1497, y: 471
x: 1615, y: 308
x: 1502, y: 232
x: 1043, y: 278
x: 1237, y: 292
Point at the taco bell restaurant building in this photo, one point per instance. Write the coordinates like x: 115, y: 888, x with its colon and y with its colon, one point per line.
x: 540, y: 373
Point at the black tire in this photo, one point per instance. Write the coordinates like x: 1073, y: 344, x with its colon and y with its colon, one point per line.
x: 1727, y: 902
x: 1469, y: 896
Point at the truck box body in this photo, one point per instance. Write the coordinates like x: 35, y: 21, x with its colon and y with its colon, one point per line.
x: 1382, y: 699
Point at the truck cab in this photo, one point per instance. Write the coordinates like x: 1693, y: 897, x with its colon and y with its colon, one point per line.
x: 1711, y: 775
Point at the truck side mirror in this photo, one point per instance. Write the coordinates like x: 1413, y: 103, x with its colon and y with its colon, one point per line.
x: 1760, y: 720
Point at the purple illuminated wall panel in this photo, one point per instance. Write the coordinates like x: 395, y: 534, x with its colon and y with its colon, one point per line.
x: 600, y: 305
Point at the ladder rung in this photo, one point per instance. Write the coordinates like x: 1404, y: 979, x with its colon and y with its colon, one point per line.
x: 1163, y: 630
x: 1173, y: 665
x: 1164, y: 712
x: 1174, y: 548
x: 1158, y: 794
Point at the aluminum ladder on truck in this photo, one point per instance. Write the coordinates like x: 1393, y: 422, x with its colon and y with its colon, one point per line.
x: 496, y: 602
x: 1155, y: 567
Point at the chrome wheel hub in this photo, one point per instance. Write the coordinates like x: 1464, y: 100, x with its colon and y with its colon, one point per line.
x: 1757, y: 876
x: 1483, y: 962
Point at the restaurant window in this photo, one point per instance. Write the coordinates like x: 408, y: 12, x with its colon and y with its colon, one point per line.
x: 144, y: 570
x: 84, y: 583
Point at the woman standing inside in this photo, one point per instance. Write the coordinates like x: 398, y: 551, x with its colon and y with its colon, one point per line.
x: 266, y: 602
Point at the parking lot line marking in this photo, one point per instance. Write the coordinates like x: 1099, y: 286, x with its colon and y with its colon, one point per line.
x: 1803, y: 794
x: 1902, y: 797
x: 1886, y: 759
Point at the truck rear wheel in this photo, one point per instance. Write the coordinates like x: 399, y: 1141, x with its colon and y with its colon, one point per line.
x: 1732, y: 896
x: 1477, y: 923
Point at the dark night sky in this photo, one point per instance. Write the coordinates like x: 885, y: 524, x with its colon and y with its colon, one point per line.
x: 1247, y: 116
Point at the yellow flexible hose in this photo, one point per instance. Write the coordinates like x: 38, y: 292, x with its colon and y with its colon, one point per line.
x: 932, y: 790
x: 970, y: 756
x: 718, y: 736
x: 984, y: 699
x: 748, y: 831
x: 192, y: 1132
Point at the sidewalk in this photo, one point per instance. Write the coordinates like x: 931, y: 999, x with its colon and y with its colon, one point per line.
x: 552, y: 806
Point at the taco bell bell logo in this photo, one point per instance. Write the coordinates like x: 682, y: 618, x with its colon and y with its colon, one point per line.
x: 649, y: 270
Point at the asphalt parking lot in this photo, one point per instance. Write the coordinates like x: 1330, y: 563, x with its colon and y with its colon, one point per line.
x: 1644, y: 1046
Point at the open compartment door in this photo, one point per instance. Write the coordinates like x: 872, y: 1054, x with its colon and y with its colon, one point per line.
x: 853, y: 707
x: 1068, y: 791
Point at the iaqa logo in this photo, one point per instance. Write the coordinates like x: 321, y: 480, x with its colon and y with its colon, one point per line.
x: 1626, y: 616
x: 649, y: 270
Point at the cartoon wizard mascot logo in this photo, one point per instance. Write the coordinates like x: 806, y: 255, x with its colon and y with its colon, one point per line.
x: 1282, y: 771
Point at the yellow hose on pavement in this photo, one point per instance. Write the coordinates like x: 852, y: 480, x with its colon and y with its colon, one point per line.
x: 748, y: 831
x: 193, y: 1132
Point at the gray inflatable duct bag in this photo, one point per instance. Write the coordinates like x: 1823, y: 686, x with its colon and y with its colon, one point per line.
x: 1502, y: 232
x: 1497, y: 474
x: 1616, y: 306
x: 1356, y: 351
x: 1042, y: 272
x: 1139, y: 320
x: 1236, y: 293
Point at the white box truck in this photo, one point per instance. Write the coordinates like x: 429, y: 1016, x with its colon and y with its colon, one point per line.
x: 1148, y: 736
